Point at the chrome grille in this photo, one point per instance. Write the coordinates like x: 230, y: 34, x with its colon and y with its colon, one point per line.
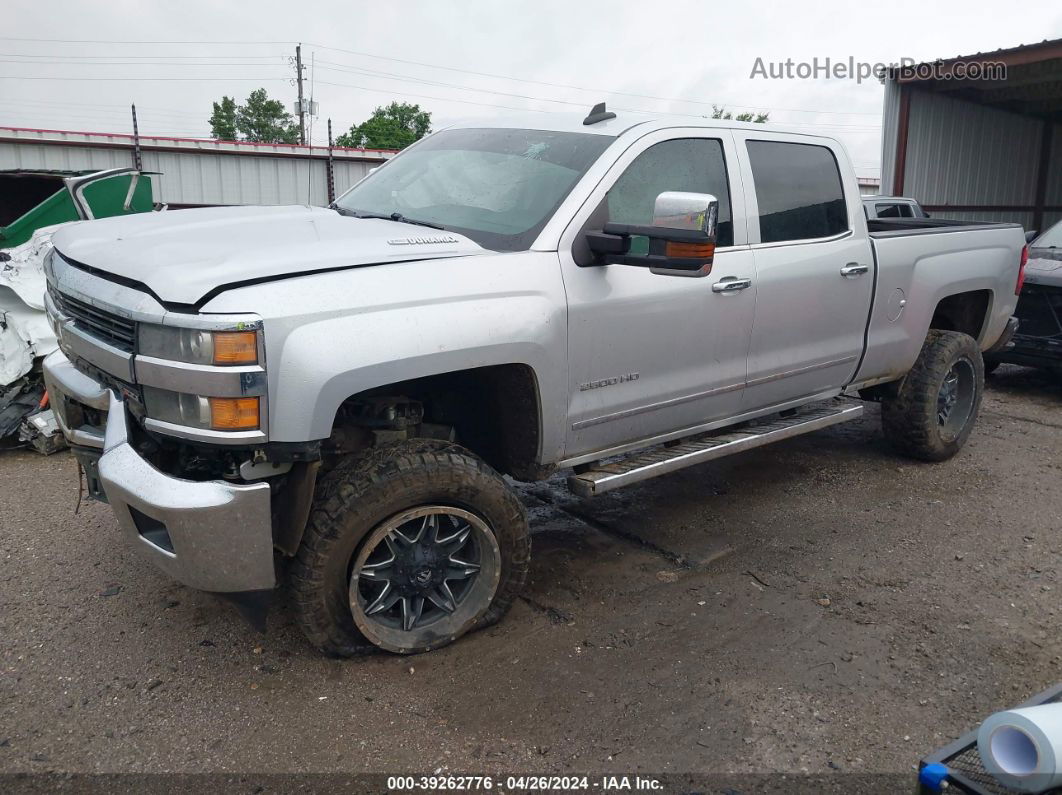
x: 106, y: 326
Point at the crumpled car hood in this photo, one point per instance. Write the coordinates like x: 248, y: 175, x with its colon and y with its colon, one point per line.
x: 25, y: 333
x: 1044, y: 271
x: 182, y: 256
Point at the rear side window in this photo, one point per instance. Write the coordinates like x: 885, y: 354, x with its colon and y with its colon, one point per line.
x: 798, y: 189
x: 893, y: 210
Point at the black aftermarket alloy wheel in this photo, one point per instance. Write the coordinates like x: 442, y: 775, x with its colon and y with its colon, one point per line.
x: 408, y: 547
x: 422, y: 575
x: 934, y: 412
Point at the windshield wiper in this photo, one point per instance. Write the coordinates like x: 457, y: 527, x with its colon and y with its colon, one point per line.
x: 397, y: 217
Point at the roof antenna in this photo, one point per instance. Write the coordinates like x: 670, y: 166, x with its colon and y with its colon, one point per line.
x: 598, y: 113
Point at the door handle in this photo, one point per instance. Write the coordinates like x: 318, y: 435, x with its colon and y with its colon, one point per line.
x: 854, y: 269
x: 731, y: 284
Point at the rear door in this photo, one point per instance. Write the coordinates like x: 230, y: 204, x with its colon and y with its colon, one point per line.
x: 814, y: 268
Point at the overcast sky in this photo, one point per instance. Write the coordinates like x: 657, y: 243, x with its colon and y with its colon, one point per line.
x: 478, y: 58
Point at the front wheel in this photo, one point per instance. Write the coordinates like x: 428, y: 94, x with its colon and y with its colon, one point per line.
x: 933, y: 414
x: 408, y: 548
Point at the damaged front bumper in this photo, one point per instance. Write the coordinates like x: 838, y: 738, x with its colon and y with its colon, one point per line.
x: 210, y: 535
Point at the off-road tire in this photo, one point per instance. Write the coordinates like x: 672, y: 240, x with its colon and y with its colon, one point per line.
x: 910, y: 420
x: 366, y: 489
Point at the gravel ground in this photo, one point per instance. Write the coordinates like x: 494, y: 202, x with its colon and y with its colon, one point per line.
x: 818, y: 606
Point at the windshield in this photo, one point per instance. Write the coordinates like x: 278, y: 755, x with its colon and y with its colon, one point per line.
x: 1052, y: 238
x: 496, y: 186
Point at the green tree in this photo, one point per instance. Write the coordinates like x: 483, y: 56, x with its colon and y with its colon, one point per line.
x: 394, y: 127
x: 264, y: 120
x: 223, y: 120
x: 722, y: 113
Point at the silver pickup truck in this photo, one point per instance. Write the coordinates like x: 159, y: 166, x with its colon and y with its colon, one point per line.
x: 331, y: 399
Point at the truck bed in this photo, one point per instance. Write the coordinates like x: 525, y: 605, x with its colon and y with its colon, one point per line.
x: 894, y: 227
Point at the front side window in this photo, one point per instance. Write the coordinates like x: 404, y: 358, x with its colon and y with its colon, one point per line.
x: 799, y: 191
x: 497, y: 186
x: 694, y: 165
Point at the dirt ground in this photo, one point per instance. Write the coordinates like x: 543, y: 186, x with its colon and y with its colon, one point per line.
x: 818, y: 606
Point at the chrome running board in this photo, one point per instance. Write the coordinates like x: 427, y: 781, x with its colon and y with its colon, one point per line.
x: 662, y: 459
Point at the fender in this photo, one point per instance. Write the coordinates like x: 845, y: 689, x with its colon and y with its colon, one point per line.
x: 928, y: 268
x: 338, y: 334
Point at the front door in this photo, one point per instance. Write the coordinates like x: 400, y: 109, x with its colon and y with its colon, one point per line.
x: 652, y: 354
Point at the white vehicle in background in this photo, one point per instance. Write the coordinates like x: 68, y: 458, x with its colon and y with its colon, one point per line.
x: 892, y: 207
x: 613, y: 296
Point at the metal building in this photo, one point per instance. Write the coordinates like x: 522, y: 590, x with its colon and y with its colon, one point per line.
x: 195, y: 172
x: 972, y: 141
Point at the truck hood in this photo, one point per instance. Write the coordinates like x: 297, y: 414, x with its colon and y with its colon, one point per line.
x: 182, y: 256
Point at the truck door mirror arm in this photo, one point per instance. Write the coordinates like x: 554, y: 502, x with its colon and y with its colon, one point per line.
x: 682, y: 237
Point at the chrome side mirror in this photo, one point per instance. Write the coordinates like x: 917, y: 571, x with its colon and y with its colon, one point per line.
x: 697, y: 213
x: 681, y: 237
x: 694, y: 212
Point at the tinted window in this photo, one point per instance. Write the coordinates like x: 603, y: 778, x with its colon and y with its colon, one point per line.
x: 893, y: 210
x: 497, y: 186
x: 798, y: 189
x: 694, y: 165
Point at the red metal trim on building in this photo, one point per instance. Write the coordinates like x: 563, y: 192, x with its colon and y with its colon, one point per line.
x: 902, y: 125
x: 1041, y: 174
x: 1022, y: 55
x: 192, y: 140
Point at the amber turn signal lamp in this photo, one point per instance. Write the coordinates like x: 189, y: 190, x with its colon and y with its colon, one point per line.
x: 235, y: 347
x: 690, y: 250
x: 234, y: 414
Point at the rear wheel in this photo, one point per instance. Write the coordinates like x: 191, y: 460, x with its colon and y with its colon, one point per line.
x: 935, y: 409
x: 408, y: 548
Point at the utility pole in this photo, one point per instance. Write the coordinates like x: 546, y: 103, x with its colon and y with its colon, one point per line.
x: 302, y: 105
x: 331, y: 175
x: 137, y: 160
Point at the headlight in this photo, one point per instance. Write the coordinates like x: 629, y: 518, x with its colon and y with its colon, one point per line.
x: 196, y: 346
x: 209, y: 413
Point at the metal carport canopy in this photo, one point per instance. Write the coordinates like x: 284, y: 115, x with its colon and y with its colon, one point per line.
x: 1030, y: 89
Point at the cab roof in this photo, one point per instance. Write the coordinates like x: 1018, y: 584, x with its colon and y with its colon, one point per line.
x: 622, y: 123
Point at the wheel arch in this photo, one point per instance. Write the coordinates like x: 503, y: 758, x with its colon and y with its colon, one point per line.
x: 967, y: 312
x: 496, y: 411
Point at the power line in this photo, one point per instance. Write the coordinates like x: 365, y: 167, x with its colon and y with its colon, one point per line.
x: 447, y: 68
x: 390, y: 76
x: 151, y: 41
x: 579, y: 88
x: 138, y: 63
x: 127, y: 57
x: 152, y: 79
x: 424, y: 96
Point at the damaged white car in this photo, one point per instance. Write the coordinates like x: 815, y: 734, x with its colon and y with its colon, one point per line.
x: 26, y: 337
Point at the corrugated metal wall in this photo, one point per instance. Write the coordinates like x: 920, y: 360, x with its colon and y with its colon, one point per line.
x: 190, y: 175
x: 962, y: 153
x: 1054, y: 178
x: 889, y: 120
